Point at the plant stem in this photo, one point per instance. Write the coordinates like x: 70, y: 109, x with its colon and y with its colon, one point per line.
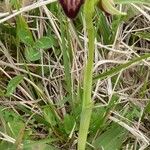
x: 87, y: 85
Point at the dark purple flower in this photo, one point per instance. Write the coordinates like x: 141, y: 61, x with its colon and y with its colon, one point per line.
x: 71, y: 7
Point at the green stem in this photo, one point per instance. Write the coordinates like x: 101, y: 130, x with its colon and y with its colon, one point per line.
x: 87, y: 85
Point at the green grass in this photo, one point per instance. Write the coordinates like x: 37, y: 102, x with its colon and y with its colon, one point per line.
x: 79, y: 84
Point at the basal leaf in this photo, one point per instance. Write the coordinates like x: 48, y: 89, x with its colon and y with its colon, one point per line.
x: 49, y: 116
x: 44, y: 43
x: 32, y: 54
x: 68, y: 123
x: 13, y: 83
x: 23, y: 32
x: 112, y: 138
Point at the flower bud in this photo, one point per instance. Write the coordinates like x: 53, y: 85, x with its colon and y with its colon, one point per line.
x: 71, y: 7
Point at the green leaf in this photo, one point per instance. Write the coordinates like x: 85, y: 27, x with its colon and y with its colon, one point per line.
x: 6, y: 146
x: 124, y: 66
x: 13, y: 83
x: 2, y: 92
x: 69, y: 122
x: 49, y: 116
x: 112, y: 138
x: 39, y: 145
x: 23, y: 32
x: 147, y: 108
x: 12, y: 124
x: 104, y: 28
x: 113, y: 102
x: 44, y: 43
x: 116, y: 22
x: 24, y: 36
x: 143, y: 35
x: 97, y: 119
x: 15, y: 4
x: 32, y: 54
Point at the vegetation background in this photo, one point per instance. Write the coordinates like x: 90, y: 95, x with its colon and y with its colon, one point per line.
x: 43, y: 55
